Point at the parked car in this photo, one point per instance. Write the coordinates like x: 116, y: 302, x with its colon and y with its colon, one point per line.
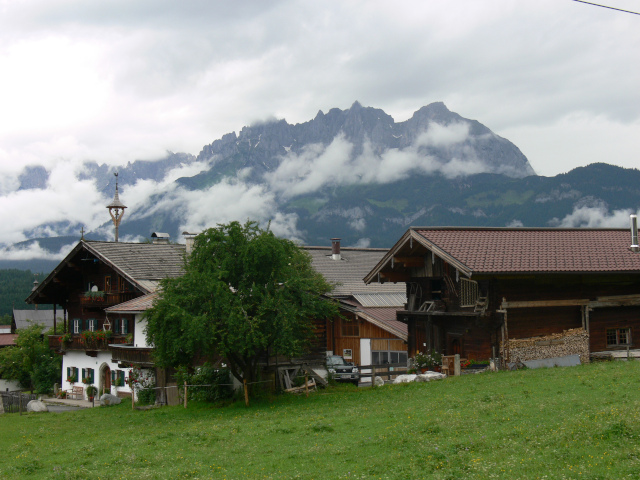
x: 341, y: 370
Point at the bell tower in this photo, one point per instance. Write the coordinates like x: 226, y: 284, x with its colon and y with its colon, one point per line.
x: 116, y: 209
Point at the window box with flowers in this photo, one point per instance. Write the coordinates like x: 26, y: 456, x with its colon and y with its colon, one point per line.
x: 65, y: 340
x: 95, y: 340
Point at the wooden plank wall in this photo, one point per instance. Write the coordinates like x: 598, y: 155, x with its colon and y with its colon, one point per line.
x: 337, y: 343
x: 600, y: 319
x: 533, y: 322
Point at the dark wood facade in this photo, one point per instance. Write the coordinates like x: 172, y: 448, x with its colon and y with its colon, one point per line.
x: 453, y: 309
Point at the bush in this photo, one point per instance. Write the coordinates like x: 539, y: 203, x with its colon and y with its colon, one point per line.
x: 216, y: 383
x: 147, y: 396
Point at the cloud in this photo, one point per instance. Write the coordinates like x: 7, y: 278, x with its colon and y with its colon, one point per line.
x: 34, y: 251
x: 594, y: 217
x: 362, y: 243
x: 318, y: 166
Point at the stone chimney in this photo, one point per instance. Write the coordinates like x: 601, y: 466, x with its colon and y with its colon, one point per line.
x: 160, y: 238
x: 189, y: 239
x: 335, y: 249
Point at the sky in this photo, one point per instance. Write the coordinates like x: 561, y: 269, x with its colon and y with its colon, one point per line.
x: 115, y: 81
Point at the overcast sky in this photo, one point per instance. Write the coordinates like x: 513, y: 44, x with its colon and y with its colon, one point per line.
x: 115, y: 81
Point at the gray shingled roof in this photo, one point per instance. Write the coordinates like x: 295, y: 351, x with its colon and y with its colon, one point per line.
x: 349, y: 271
x: 26, y: 318
x: 141, y: 261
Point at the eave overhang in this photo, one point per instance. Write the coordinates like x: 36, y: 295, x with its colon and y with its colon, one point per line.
x: 408, y: 238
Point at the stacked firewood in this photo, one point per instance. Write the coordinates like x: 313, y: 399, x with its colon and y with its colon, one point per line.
x: 569, y: 342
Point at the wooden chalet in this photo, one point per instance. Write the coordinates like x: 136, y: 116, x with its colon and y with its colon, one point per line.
x: 472, y: 291
x: 94, y: 279
x: 369, y: 333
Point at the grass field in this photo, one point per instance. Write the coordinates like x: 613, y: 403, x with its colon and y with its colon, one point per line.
x: 581, y: 422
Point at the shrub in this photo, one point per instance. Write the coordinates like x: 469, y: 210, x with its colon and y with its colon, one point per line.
x: 215, y: 383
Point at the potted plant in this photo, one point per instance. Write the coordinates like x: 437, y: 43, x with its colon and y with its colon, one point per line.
x: 73, y: 378
x: 91, y: 392
x: 65, y: 340
x: 427, y: 361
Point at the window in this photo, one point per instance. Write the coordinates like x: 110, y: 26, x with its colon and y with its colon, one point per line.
x: 76, y: 325
x: 382, y: 357
x: 618, y: 336
x: 350, y: 328
x: 72, y: 374
x: 124, y: 326
x: 117, y: 378
x: 468, y: 292
x: 107, y: 284
x: 87, y: 376
x: 92, y: 325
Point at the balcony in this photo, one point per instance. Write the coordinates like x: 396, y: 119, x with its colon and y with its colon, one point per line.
x: 129, y: 354
x: 56, y: 344
x: 105, y: 299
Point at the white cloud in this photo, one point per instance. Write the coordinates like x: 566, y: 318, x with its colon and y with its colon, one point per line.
x: 34, y: 251
x: 362, y: 243
x: 594, y: 217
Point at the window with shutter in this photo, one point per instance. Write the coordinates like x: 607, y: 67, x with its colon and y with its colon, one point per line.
x: 76, y: 325
x: 92, y: 324
x: 84, y: 374
x: 125, y: 326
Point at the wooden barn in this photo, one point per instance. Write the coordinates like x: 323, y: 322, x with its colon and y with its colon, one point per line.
x: 369, y: 332
x: 475, y: 291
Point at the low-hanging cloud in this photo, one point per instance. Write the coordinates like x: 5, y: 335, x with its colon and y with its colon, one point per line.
x: 34, y: 251
x: 594, y: 217
x: 318, y: 166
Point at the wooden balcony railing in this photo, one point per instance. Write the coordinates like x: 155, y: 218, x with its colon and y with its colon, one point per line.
x: 106, y: 299
x: 132, y: 355
x: 55, y: 343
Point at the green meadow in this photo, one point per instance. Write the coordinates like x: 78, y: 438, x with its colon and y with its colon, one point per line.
x: 578, y: 423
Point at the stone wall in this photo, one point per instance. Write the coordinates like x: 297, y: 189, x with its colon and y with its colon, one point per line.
x: 569, y: 342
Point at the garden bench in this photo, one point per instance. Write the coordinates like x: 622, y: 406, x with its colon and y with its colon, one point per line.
x: 76, y: 393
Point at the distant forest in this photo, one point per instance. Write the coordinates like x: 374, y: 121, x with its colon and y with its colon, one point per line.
x: 15, y: 286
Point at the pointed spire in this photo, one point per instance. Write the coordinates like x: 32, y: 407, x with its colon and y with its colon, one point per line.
x: 116, y: 208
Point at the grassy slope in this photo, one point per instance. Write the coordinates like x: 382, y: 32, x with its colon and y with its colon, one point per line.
x: 580, y: 422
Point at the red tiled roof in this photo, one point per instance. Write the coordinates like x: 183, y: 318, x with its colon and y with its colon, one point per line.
x: 8, y: 339
x: 486, y: 250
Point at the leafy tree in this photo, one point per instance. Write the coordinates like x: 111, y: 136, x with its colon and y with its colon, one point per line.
x: 31, y: 362
x: 244, y: 293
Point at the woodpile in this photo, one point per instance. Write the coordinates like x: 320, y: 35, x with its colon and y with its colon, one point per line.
x: 569, y: 342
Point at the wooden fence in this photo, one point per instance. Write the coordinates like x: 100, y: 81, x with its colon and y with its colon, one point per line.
x: 387, y: 370
x: 14, y: 402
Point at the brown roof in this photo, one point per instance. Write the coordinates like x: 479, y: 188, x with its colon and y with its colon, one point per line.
x: 8, y: 339
x: 139, y: 304
x: 520, y: 250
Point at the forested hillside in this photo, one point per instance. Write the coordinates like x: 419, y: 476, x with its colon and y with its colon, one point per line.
x: 15, y: 286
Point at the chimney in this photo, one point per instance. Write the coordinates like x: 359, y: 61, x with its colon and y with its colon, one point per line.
x: 160, y: 238
x: 634, y: 234
x: 189, y: 239
x: 335, y: 249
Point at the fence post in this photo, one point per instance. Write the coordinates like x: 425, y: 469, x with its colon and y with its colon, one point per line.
x: 373, y: 376
x: 246, y: 392
x: 20, y: 402
x: 185, y: 394
x: 306, y: 384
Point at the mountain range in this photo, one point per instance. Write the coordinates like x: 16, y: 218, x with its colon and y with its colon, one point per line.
x: 355, y: 174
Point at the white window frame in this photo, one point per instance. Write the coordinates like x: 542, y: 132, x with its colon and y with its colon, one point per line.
x: 469, y: 292
x: 76, y: 325
x: 92, y: 324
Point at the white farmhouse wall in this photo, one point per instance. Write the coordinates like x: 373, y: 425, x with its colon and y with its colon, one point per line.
x: 9, y: 385
x: 80, y: 360
x: 140, y: 336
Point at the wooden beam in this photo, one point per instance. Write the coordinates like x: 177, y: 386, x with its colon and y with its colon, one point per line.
x: 395, y: 277
x: 410, y: 261
x: 545, y: 303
